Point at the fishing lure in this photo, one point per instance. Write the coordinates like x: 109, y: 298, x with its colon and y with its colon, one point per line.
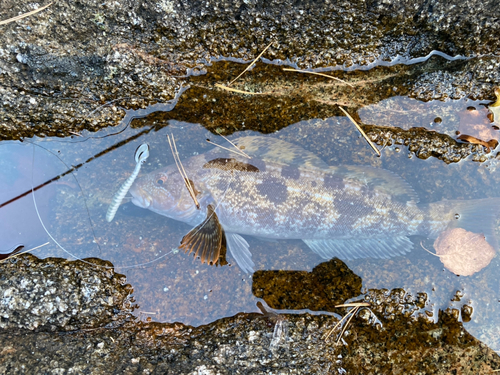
x: 141, y: 154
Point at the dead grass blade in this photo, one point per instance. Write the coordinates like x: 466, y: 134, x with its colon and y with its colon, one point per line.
x: 347, y: 316
x: 253, y: 62
x: 361, y: 131
x: 318, y: 74
x: 228, y: 149
x: 182, y: 171
x: 350, y: 314
x: 335, y: 327
x: 355, y: 304
x: 17, y: 18
x: 344, y: 328
x: 238, y: 91
x: 238, y: 150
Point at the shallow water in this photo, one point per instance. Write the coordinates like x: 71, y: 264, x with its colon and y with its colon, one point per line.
x: 171, y: 286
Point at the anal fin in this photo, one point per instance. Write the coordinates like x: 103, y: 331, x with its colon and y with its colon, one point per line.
x: 207, y: 240
x: 360, y: 248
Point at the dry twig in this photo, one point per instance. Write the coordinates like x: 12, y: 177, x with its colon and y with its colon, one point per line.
x: 249, y: 66
x: 318, y: 74
x: 24, y: 252
x: 357, y: 306
x: 238, y: 91
x: 182, y: 171
x: 344, y: 327
x: 246, y: 69
x: 361, y: 131
x: 238, y: 150
x: 17, y: 18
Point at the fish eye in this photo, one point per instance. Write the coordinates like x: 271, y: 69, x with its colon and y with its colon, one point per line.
x: 161, y: 179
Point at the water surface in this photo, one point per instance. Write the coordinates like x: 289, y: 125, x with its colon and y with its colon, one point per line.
x: 171, y: 286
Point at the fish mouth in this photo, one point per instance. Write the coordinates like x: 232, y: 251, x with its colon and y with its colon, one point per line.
x: 139, y: 198
x: 142, y: 202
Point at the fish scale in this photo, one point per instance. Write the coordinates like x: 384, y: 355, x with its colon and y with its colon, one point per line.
x: 264, y: 199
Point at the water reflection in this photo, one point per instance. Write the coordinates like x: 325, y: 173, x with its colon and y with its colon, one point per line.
x: 172, y: 286
x: 452, y: 117
x: 23, y: 168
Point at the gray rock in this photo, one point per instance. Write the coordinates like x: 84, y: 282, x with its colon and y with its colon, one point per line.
x: 42, y: 333
x: 54, y: 294
x: 58, y: 67
x: 78, y: 65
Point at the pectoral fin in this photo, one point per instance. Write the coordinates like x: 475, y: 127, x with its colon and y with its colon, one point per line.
x: 207, y: 240
x: 238, y: 247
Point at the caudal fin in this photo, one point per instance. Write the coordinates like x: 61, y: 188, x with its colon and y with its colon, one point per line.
x: 477, y: 216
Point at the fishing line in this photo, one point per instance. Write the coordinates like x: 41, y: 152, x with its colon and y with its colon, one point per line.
x: 217, y: 206
x: 88, y: 213
x: 130, y: 115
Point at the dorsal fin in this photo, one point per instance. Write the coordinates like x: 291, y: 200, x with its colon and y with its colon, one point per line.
x: 230, y: 164
x: 276, y: 150
x: 378, y: 179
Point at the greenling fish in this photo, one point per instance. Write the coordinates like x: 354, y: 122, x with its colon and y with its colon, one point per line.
x: 285, y: 192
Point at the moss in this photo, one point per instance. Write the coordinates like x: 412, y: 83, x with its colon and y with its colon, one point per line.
x: 328, y: 284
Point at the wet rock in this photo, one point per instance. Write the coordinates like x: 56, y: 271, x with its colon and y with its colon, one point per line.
x: 425, y: 143
x: 60, y: 66
x: 101, y: 339
x: 54, y: 294
x: 242, y: 344
x: 328, y: 284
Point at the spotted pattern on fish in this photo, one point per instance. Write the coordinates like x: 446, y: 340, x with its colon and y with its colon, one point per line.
x: 270, y: 204
x: 273, y: 189
x: 333, y: 182
x: 290, y: 171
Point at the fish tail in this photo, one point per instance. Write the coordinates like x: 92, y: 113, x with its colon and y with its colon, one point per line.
x: 477, y: 216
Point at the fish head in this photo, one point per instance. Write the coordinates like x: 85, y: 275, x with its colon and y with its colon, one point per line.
x: 164, y: 192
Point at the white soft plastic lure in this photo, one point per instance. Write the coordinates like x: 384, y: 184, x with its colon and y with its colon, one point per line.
x: 141, y: 154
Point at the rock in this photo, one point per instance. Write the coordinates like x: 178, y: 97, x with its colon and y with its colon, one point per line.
x: 57, y: 295
x: 329, y: 284
x: 42, y: 334
x: 60, y: 67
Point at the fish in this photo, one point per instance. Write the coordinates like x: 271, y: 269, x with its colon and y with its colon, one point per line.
x: 279, y: 190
